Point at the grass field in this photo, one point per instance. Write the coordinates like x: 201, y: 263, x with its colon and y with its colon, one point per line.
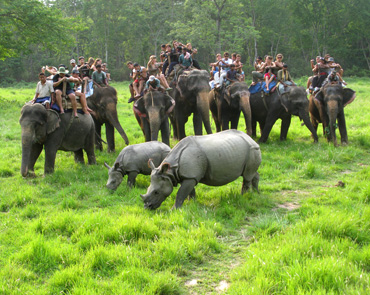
x: 303, y: 234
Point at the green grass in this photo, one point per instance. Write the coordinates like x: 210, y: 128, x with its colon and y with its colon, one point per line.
x: 67, y: 234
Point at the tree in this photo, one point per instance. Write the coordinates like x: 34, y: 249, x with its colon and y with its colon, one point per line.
x: 26, y: 22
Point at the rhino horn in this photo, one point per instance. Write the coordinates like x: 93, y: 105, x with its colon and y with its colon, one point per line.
x: 143, y: 197
x: 106, y: 165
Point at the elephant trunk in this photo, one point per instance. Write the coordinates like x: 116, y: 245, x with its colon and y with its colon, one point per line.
x: 247, y: 112
x: 333, y: 113
x: 203, y: 109
x: 306, y: 120
x: 27, y: 139
x: 113, y: 119
x: 155, y: 124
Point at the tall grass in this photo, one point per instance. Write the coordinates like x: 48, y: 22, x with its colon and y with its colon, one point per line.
x: 65, y: 233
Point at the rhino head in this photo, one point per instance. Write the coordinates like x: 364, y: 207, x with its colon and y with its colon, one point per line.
x: 115, y: 176
x: 160, y: 186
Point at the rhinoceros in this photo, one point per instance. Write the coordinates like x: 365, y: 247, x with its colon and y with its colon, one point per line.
x: 214, y: 159
x: 133, y: 160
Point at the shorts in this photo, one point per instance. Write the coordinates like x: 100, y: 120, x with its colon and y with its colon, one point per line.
x: 43, y: 100
x: 69, y: 91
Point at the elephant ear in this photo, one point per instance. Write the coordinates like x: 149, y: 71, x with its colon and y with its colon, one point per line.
x: 169, y: 104
x: 348, y: 96
x: 285, y: 102
x: 52, y: 121
x: 182, y: 83
x: 139, y: 107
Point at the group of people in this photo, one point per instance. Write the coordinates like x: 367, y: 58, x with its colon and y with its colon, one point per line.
x: 154, y: 75
x: 85, y: 76
x: 325, y: 71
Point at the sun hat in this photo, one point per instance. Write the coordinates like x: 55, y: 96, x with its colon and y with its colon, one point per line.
x: 151, y: 78
x: 62, y: 70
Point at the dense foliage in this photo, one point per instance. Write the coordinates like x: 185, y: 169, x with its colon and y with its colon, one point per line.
x: 122, y: 30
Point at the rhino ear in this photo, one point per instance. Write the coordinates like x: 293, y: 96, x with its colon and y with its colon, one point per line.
x: 151, y: 164
x: 116, y: 166
x: 165, y: 167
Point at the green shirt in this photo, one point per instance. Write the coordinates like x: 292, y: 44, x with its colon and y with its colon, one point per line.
x: 185, y: 62
x: 99, y: 77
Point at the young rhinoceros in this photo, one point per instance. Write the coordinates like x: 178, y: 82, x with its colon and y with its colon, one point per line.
x: 133, y: 160
x: 214, y: 159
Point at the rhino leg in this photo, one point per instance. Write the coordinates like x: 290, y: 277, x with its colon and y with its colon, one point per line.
x: 247, y: 183
x: 255, y: 181
x: 192, y: 194
x: 186, y: 189
x: 131, y: 178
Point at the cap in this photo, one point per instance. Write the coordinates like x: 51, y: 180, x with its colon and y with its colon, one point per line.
x: 151, y: 78
x: 72, y: 61
x: 75, y: 72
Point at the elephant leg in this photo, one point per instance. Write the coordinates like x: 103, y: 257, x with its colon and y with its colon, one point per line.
x: 187, y: 186
x: 285, y: 124
x: 109, y: 130
x: 342, y: 127
x: 197, y: 122
x: 131, y: 178
x: 271, y: 119
x: 147, y: 132
x: 165, y: 131
x: 79, y: 156
x: 225, y: 121
x: 50, y: 154
x: 254, y: 128
x: 98, y: 142
x: 235, y: 120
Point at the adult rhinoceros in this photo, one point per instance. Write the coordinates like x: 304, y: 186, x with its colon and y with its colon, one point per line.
x: 214, y: 159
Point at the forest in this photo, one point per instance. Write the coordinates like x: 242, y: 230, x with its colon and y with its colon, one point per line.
x: 35, y: 33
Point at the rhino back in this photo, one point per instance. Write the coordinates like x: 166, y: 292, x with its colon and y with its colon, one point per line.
x: 216, y: 159
x: 135, y: 157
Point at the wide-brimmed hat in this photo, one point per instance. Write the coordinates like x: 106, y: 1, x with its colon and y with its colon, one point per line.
x: 62, y: 70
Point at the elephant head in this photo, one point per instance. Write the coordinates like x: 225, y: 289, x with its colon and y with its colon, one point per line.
x: 36, y: 123
x: 154, y: 107
x: 296, y: 103
x: 238, y: 97
x: 335, y: 98
x: 104, y: 104
x: 194, y: 86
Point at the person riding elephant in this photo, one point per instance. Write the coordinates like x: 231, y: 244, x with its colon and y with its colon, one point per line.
x: 191, y: 96
x: 46, y: 129
x: 327, y: 107
x: 103, y: 104
x: 227, y: 105
x: 151, y: 112
x: 267, y: 109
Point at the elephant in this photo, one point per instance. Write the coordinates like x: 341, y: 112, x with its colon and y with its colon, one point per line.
x: 47, y: 129
x: 328, y: 108
x: 227, y: 104
x: 152, y: 111
x: 190, y: 92
x: 104, y: 105
x: 266, y: 109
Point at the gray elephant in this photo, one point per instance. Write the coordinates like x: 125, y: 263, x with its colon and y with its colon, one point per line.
x: 214, y: 160
x: 190, y: 92
x: 104, y: 105
x: 133, y: 160
x: 47, y: 129
x: 328, y: 108
x: 151, y: 112
x: 266, y: 110
x: 227, y: 104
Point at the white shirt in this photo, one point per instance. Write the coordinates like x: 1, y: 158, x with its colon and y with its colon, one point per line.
x: 44, y: 90
x: 227, y: 62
